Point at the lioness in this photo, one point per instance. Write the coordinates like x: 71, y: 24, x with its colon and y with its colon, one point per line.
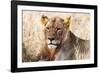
x: 61, y: 43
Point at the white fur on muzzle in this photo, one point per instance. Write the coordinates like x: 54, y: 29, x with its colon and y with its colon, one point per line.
x: 52, y: 44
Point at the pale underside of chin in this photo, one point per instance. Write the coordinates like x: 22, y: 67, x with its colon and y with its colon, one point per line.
x: 51, y: 46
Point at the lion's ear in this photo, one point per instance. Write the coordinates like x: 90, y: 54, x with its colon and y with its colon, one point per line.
x: 44, y: 19
x: 67, y: 21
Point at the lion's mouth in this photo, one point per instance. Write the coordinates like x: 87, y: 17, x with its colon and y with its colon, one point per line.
x: 53, y: 44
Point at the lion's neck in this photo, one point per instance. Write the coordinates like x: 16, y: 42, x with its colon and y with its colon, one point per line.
x: 66, y: 37
x: 66, y: 50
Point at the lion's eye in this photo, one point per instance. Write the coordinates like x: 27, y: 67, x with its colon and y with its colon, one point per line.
x: 47, y: 28
x: 58, y: 28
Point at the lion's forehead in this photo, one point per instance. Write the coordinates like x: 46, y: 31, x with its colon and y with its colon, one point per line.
x: 55, y: 22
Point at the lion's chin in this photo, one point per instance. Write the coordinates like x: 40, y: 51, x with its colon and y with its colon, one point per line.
x: 51, y: 46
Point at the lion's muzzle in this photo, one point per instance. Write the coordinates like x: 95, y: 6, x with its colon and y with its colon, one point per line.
x: 52, y: 43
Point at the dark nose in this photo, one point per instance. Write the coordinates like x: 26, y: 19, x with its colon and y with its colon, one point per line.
x: 51, y: 39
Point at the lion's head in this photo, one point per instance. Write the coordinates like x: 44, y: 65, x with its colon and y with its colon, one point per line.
x: 55, y: 28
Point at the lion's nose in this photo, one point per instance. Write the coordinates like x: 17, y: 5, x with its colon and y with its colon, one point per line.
x: 51, y: 39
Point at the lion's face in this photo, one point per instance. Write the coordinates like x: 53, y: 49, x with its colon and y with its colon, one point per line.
x: 54, y: 30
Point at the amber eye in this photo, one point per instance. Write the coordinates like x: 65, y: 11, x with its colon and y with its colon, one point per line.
x: 47, y: 28
x: 58, y: 28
